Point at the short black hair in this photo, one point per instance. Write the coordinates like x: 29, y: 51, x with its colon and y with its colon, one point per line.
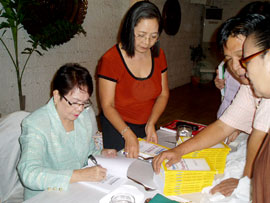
x: 69, y: 76
x: 237, y: 26
x: 140, y: 10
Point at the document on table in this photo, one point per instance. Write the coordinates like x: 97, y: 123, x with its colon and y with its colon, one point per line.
x: 192, y: 164
x: 117, y: 168
x: 148, y: 149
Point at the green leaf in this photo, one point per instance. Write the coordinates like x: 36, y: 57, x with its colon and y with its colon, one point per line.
x: 37, y: 51
x: 4, y: 25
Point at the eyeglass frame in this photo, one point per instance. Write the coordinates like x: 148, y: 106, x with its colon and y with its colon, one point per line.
x: 141, y: 37
x: 85, y: 105
x: 243, y: 61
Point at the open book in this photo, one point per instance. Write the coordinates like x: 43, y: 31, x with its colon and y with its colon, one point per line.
x: 117, y: 169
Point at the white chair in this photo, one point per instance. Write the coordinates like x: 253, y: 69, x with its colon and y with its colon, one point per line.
x: 11, y: 190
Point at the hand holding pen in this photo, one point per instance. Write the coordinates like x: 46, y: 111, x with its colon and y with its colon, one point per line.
x: 93, y: 159
x: 92, y: 174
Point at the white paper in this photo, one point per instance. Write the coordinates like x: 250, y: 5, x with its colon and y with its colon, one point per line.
x: 149, y: 149
x: 117, y: 168
x: 142, y: 172
x: 221, y: 75
x: 191, y: 165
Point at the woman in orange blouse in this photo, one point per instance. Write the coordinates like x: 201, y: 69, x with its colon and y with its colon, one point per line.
x: 133, y: 84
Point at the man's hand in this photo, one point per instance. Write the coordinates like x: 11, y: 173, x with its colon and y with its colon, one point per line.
x: 220, y: 83
x: 171, y: 155
x: 226, y: 187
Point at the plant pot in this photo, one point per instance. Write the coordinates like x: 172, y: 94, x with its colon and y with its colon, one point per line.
x: 195, y: 80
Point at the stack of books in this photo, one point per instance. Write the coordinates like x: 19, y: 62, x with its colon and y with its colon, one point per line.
x: 216, y: 154
x: 190, y: 175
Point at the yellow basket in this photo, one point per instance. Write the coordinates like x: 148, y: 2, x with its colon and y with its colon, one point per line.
x: 187, y: 181
x: 216, y: 155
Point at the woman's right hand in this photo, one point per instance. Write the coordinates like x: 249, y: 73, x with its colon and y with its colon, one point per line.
x: 131, y: 146
x: 91, y: 174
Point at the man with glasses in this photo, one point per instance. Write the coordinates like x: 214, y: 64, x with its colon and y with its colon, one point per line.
x: 246, y: 113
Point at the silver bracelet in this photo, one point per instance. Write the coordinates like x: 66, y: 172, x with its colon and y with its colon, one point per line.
x: 124, y: 130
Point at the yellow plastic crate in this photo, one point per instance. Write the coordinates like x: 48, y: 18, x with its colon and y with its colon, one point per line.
x: 187, y: 181
x: 216, y: 155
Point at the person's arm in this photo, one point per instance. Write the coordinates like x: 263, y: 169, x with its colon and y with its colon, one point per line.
x: 31, y: 169
x: 107, y: 97
x: 39, y: 176
x: 227, y: 186
x: 157, y: 110
x: 254, y: 144
x: 211, y: 135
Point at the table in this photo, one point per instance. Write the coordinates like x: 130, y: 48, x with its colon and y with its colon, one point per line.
x: 79, y: 193
x: 83, y: 194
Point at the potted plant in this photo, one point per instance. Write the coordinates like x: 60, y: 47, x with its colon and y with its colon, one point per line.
x: 46, y: 26
x: 196, y: 56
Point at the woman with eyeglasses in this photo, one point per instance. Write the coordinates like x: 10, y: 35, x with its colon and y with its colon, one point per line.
x: 256, y: 59
x: 57, y: 139
x: 133, y: 86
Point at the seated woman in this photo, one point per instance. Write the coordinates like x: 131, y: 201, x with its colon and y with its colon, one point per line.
x: 256, y: 53
x: 57, y: 139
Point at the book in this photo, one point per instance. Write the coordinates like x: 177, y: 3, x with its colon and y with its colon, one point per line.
x: 149, y: 149
x: 190, y: 175
x: 172, y: 126
x: 117, y: 169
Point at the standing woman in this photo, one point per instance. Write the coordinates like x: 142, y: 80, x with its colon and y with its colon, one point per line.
x: 257, y: 61
x: 133, y: 84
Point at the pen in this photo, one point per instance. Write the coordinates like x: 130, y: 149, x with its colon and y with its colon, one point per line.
x: 93, y: 159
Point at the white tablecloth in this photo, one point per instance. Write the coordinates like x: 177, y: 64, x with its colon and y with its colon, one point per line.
x: 83, y: 194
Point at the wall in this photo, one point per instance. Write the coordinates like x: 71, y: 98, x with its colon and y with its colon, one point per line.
x: 101, y: 24
x: 213, y: 56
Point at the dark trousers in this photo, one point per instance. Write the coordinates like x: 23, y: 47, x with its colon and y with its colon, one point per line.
x: 112, y: 139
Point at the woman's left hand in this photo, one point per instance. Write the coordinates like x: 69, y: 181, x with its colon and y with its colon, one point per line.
x: 109, y: 152
x: 151, y: 135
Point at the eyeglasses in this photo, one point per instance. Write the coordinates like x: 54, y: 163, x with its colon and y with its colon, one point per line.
x: 77, y: 105
x: 152, y: 38
x: 244, y: 61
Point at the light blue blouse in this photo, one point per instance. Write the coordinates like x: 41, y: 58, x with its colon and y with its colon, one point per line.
x: 49, y: 153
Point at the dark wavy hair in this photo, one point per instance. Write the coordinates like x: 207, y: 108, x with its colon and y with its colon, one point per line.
x: 237, y: 26
x: 69, y: 76
x: 140, y: 10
